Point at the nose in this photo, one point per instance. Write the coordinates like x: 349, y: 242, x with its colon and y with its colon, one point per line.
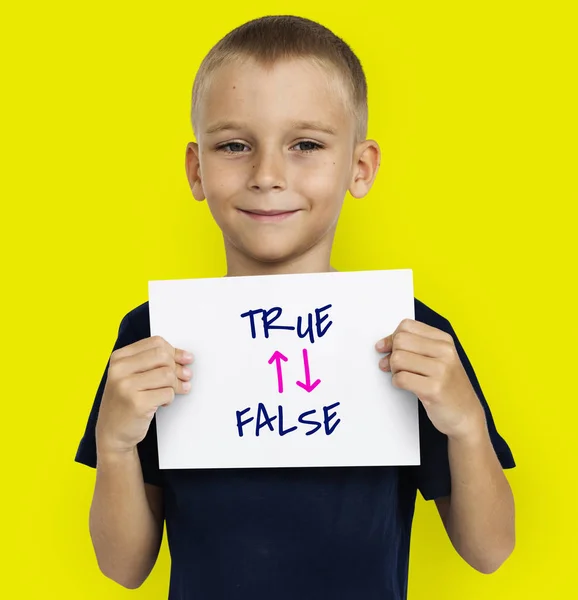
x: 268, y: 171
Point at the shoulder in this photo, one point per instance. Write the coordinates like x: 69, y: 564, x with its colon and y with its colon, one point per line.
x: 136, y: 323
x: 429, y: 316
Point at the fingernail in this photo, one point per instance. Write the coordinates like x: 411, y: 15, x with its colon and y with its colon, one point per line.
x: 188, y: 356
x: 187, y: 386
x: 380, y: 345
x: 186, y: 372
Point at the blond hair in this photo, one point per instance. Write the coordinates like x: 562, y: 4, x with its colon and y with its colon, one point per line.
x: 273, y: 38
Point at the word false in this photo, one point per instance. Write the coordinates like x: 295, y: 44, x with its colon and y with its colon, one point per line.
x: 308, y: 419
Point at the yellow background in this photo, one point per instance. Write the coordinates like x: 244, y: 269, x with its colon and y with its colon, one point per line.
x: 474, y: 105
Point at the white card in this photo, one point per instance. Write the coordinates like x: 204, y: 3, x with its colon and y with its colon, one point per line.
x: 286, y: 372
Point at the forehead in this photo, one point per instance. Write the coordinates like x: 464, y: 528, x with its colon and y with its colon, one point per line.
x: 287, y: 92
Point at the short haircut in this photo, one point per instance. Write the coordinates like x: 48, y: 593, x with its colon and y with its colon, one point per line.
x: 271, y: 39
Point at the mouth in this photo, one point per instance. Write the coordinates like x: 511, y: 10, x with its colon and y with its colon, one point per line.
x: 271, y: 216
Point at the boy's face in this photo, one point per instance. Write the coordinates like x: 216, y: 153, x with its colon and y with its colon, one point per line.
x: 274, y: 179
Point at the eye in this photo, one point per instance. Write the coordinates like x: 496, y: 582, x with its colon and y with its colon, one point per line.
x: 307, y: 146
x: 232, y: 147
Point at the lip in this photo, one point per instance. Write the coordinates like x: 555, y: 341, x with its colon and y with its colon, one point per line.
x: 269, y: 216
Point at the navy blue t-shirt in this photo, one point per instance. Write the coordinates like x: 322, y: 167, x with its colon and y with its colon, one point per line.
x: 289, y: 533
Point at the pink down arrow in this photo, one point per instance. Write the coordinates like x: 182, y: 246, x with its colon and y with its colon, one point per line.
x: 307, y: 386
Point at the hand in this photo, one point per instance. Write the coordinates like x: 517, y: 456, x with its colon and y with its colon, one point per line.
x: 141, y: 377
x: 424, y: 361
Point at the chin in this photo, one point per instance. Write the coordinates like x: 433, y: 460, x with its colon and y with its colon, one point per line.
x: 271, y: 253
x: 272, y: 257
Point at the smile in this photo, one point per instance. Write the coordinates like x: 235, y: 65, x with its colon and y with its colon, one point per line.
x: 269, y: 216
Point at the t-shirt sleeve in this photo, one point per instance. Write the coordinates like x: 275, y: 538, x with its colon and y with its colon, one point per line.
x: 147, y: 449
x: 433, y: 477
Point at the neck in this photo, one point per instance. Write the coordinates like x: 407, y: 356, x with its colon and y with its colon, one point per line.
x: 315, y: 260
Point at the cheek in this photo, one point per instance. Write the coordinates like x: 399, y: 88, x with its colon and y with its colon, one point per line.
x: 325, y: 181
x: 219, y: 181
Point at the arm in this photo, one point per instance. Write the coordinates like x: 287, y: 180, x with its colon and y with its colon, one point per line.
x: 126, y: 519
x: 126, y: 516
x: 479, y: 514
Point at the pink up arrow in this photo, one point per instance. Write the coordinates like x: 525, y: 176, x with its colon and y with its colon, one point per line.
x: 307, y: 386
x: 277, y: 358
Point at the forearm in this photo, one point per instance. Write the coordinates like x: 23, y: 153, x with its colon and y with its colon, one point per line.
x: 481, y: 522
x: 125, y: 533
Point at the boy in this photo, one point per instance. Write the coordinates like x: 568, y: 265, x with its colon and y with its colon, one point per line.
x: 280, y: 115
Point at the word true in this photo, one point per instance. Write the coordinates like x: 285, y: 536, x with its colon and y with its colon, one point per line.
x: 270, y: 316
x: 263, y: 419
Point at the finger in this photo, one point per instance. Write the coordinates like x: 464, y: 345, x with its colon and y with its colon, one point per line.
x: 153, y: 357
x: 385, y: 344
x: 156, y: 398
x: 423, y: 329
x: 140, y: 346
x: 417, y: 384
x: 400, y: 360
x: 183, y: 373
x: 418, y: 344
x: 183, y: 357
x: 420, y: 331
x: 157, y: 379
x: 150, y: 343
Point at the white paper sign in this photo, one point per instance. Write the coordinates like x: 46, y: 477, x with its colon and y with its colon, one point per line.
x: 286, y: 372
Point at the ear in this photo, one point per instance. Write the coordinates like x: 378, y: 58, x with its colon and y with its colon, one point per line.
x: 366, y: 159
x: 193, y: 169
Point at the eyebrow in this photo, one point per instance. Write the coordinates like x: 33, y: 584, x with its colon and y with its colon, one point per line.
x: 303, y: 125
x: 314, y: 126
